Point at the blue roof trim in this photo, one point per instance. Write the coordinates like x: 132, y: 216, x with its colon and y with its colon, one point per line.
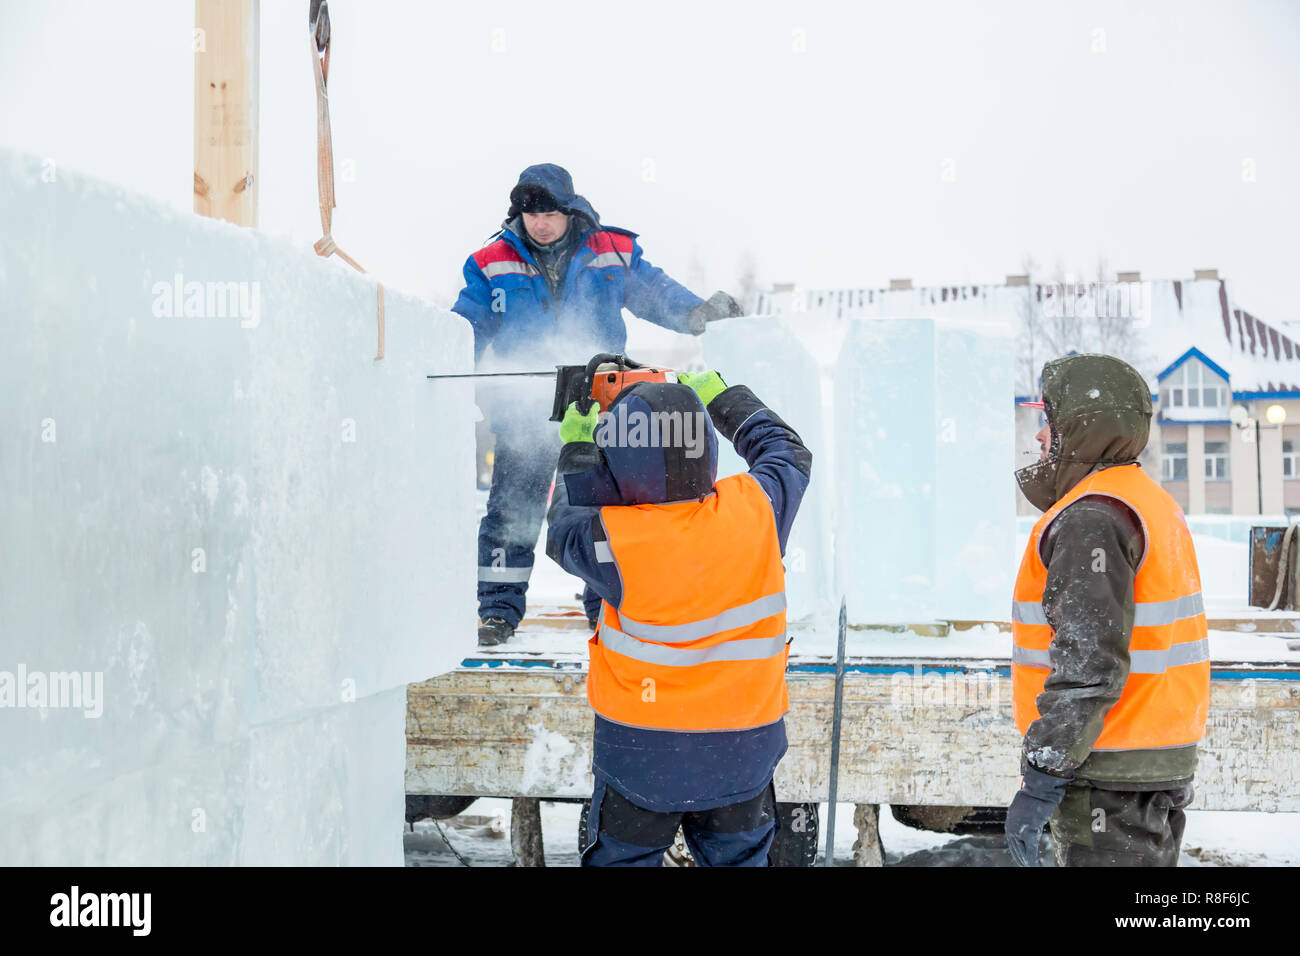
x: 1194, y: 421
x: 1196, y: 353
x: 1250, y: 395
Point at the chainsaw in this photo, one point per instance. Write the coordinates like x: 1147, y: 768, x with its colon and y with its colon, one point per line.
x: 599, y: 381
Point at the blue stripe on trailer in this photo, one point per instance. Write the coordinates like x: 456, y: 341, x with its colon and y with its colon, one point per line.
x: 1005, y: 671
x: 1255, y: 675
x: 1002, y: 670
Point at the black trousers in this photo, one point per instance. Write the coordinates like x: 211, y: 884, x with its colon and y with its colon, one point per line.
x: 1098, y: 827
x: 624, y: 834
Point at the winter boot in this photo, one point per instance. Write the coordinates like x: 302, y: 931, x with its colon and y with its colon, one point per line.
x: 493, y: 631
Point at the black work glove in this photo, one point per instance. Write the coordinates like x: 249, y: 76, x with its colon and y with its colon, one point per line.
x: 1039, y: 795
x: 719, y: 306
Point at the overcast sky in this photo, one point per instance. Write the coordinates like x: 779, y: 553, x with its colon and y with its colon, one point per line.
x: 841, y: 144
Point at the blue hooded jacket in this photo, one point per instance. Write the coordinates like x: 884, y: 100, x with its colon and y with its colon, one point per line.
x: 674, y: 771
x: 508, y: 304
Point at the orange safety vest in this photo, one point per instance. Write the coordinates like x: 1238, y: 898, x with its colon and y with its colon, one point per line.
x: 1167, y: 694
x: 698, y: 642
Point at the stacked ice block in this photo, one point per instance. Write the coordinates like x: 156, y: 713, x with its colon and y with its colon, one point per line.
x: 218, y: 501
x: 910, y: 514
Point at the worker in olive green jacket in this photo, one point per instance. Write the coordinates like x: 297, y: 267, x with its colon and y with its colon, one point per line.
x: 1110, y: 664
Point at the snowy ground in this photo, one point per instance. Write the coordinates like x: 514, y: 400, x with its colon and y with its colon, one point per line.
x: 482, y: 836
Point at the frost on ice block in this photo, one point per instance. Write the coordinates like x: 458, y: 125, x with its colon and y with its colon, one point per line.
x: 228, y: 528
x: 764, y: 354
x: 925, y: 512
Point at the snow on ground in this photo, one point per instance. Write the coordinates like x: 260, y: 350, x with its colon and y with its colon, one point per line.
x: 482, y: 836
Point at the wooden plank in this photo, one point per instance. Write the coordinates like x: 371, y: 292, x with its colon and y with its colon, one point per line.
x: 225, y: 110
x: 942, y: 738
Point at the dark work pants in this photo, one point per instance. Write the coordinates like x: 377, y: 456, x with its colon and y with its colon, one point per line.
x: 1096, y: 827
x: 624, y: 834
x: 523, y: 465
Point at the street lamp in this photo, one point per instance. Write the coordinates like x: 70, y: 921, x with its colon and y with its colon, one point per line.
x: 1240, y: 416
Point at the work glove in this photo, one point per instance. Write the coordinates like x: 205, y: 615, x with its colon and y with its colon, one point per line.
x: 576, y: 426
x: 1039, y: 795
x: 707, y: 385
x: 719, y: 306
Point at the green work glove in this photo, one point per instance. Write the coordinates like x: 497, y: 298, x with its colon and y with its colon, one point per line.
x: 577, y: 426
x: 707, y: 385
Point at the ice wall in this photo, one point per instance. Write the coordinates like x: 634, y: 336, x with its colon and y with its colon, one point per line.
x: 217, y: 505
x: 925, y: 496
x: 911, y: 511
x: 769, y: 357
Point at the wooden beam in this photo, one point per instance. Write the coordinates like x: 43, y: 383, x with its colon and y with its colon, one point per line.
x: 936, y: 740
x: 225, y: 109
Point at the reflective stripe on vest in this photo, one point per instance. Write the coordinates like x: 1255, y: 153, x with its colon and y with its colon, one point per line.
x: 753, y: 649
x: 1145, y: 614
x: 1140, y: 662
x: 1165, y: 699
x: 742, y: 616
x: 698, y: 642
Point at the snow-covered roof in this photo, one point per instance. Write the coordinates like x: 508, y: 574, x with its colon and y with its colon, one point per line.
x: 1168, y: 317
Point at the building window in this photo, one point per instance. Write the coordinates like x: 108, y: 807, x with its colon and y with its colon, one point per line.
x: 1193, y: 385
x: 1216, y: 461
x: 1173, y: 466
x: 1290, y: 461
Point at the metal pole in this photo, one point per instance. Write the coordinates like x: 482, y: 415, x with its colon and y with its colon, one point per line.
x: 835, y: 739
x: 1259, y: 468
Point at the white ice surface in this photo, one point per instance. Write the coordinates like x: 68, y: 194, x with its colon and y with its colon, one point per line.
x: 924, y: 504
x: 769, y: 357
x: 252, y: 709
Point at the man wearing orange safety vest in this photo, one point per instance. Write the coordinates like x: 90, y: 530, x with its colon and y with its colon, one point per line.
x: 687, y: 666
x: 1110, y: 664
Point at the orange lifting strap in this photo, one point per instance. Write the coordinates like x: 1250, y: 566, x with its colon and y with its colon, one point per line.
x: 318, y: 22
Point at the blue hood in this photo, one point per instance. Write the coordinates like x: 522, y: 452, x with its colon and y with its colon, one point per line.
x: 657, y: 444
x: 556, y: 181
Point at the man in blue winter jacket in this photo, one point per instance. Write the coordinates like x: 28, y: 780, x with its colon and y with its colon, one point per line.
x: 549, y: 289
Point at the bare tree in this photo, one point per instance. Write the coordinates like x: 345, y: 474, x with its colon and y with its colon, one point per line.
x: 747, y: 282
x: 1064, y: 313
x: 697, y: 278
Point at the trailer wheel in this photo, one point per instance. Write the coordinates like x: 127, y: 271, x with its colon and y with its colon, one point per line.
x: 421, y: 806
x: 796, y: 841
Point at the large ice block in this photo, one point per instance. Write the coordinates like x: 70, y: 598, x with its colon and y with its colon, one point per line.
x: 925, y: 510
x: 219, y: 505
x: 768, y: 357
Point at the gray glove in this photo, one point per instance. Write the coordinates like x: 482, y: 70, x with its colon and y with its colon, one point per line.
x: 719, y: 306
x: 1039, y: 795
